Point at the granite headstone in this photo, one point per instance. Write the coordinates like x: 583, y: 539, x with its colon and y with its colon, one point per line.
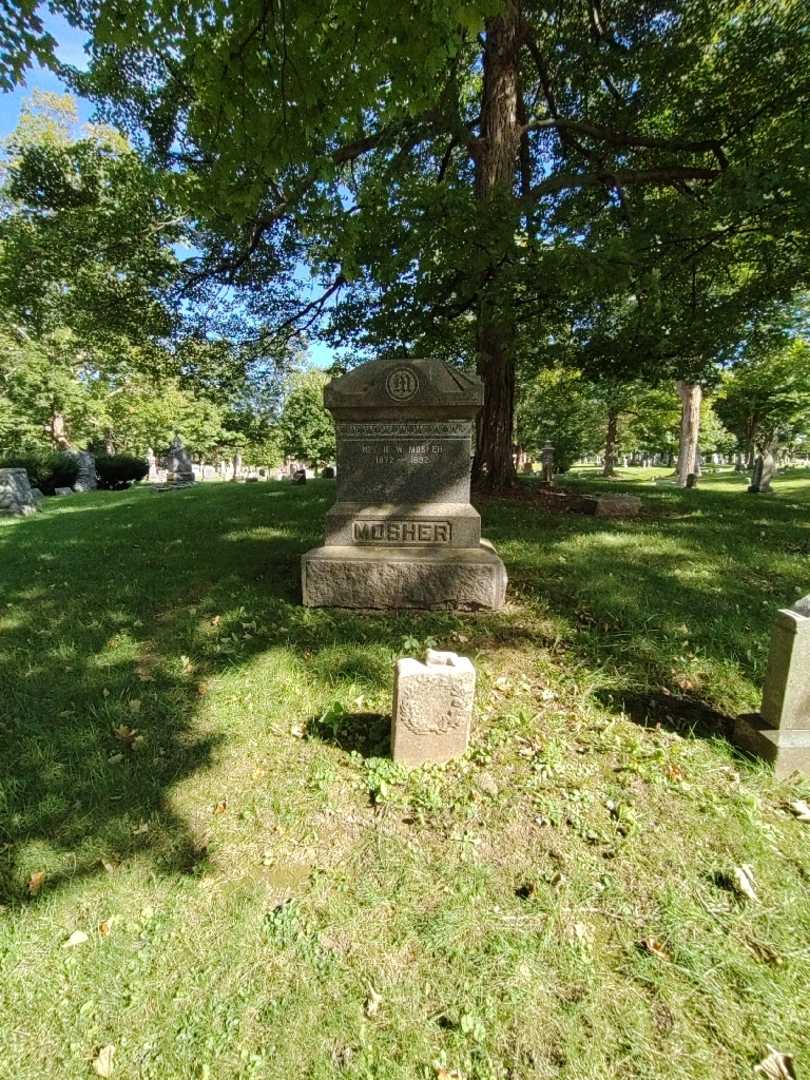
x: 402, y: 533
x: 780, y: 732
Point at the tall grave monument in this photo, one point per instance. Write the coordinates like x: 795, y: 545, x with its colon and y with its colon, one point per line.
x: 402, y: 533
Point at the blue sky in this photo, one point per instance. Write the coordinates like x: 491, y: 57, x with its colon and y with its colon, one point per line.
x: 70, y: 49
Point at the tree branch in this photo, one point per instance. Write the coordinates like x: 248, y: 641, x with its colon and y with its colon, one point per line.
x: 627, y: 138
x: 664, y: 176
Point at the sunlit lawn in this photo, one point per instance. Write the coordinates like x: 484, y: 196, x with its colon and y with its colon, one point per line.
x: 197, y: 766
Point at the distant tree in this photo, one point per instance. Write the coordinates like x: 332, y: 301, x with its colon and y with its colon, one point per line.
x: 307, y: 429
x: 765, y: 399
x: 558, y: 406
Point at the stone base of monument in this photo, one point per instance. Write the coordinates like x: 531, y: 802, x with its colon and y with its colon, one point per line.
x: 425, y: 524
x: 426, y: 578
x: 787, y: 749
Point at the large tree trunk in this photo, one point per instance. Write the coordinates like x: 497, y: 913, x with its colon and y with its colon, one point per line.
x: 611, y: 440
x: 496, y: 155
x: 691, y: 395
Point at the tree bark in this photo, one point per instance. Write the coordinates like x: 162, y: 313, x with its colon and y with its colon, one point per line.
x: 691, y: 395
x: 611, y: 440
x: 496, y: 155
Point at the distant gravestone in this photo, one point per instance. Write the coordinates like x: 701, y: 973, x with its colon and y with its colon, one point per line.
x: 152, y: 462
x: 16, y: 494
x: 780, y: 732
x: 86, y: 479
x: 764, y: 472
x: 62, y: 491
x: 691, y: 480
x: 402, y: 533
x: 178, y: 465
x: 433, y: 705
x: 547, y: 458
x: 299, y: 476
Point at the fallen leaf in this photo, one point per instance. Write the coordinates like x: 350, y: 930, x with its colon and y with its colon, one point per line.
x: 78, y: 937
x: 188, y: 667
x: 800, y: 809
x: 443, y: 1073
x: 108, y: 866
x: 105, y: 926
x: 135, y: 705
x: 125, y: 734
x: 674, y: 773
x: 776, y: 1066
x: 115, y: 759
x: 655, y: 948
x: 35, y: 882
x: 217, y: 619
x: 744, y: 882
x: 103, y: 1063
x: 221, y: 806
x: 297, y: 731
x: 373, y: 1002
x: 139, y: 830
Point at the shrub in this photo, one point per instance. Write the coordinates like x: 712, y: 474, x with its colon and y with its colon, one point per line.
x: 117, y: 471
x: 46, y: 470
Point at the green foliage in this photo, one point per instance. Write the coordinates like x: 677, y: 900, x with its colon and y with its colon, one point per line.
x: 765, y: 399
x: 46, y: 471
x: 117, y: 471
x: 560, y: 407
x: 307, y: 429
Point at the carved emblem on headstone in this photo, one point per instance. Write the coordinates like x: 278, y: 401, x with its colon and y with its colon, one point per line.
x: 401, y: 384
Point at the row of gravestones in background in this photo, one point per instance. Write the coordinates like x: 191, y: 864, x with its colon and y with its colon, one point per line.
x: 18, y: 497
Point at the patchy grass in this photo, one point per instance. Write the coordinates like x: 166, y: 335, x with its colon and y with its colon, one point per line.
x: 198, y: 767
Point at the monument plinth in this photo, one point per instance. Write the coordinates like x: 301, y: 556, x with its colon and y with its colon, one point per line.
x: 402, y: 533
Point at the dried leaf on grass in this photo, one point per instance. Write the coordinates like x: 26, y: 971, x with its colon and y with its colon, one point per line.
x: 78, y: 937
x: 655, y: 948
x: 103, y: 1063
x: 800, y: 809
x: 35, y: 882
x: 776, y: 1066
x: 744, y: 882
x: 125, y: 734
x: 105, y: 926
x: 373, y: 1002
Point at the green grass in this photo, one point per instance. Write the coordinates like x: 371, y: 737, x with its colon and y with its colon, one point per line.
x: 267, y: 871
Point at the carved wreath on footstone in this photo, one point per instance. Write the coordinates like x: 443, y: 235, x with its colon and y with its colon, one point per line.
x: 450, y: 704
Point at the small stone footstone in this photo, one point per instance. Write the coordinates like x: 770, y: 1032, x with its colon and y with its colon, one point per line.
x: 63, y: 491
x: 780, y: 731
x: 402, y: 533
x: 16, y: 494
x: 433, y: 704
x: 617, y: 506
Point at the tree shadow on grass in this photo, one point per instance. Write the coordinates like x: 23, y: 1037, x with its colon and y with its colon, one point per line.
x: 364, y: 733
x: 116, y: 610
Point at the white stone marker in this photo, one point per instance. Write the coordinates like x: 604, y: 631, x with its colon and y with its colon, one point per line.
x: 432, y: 708
x: 780, y: 732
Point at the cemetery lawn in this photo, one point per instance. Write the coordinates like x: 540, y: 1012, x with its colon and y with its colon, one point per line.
x: 208, y: 862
